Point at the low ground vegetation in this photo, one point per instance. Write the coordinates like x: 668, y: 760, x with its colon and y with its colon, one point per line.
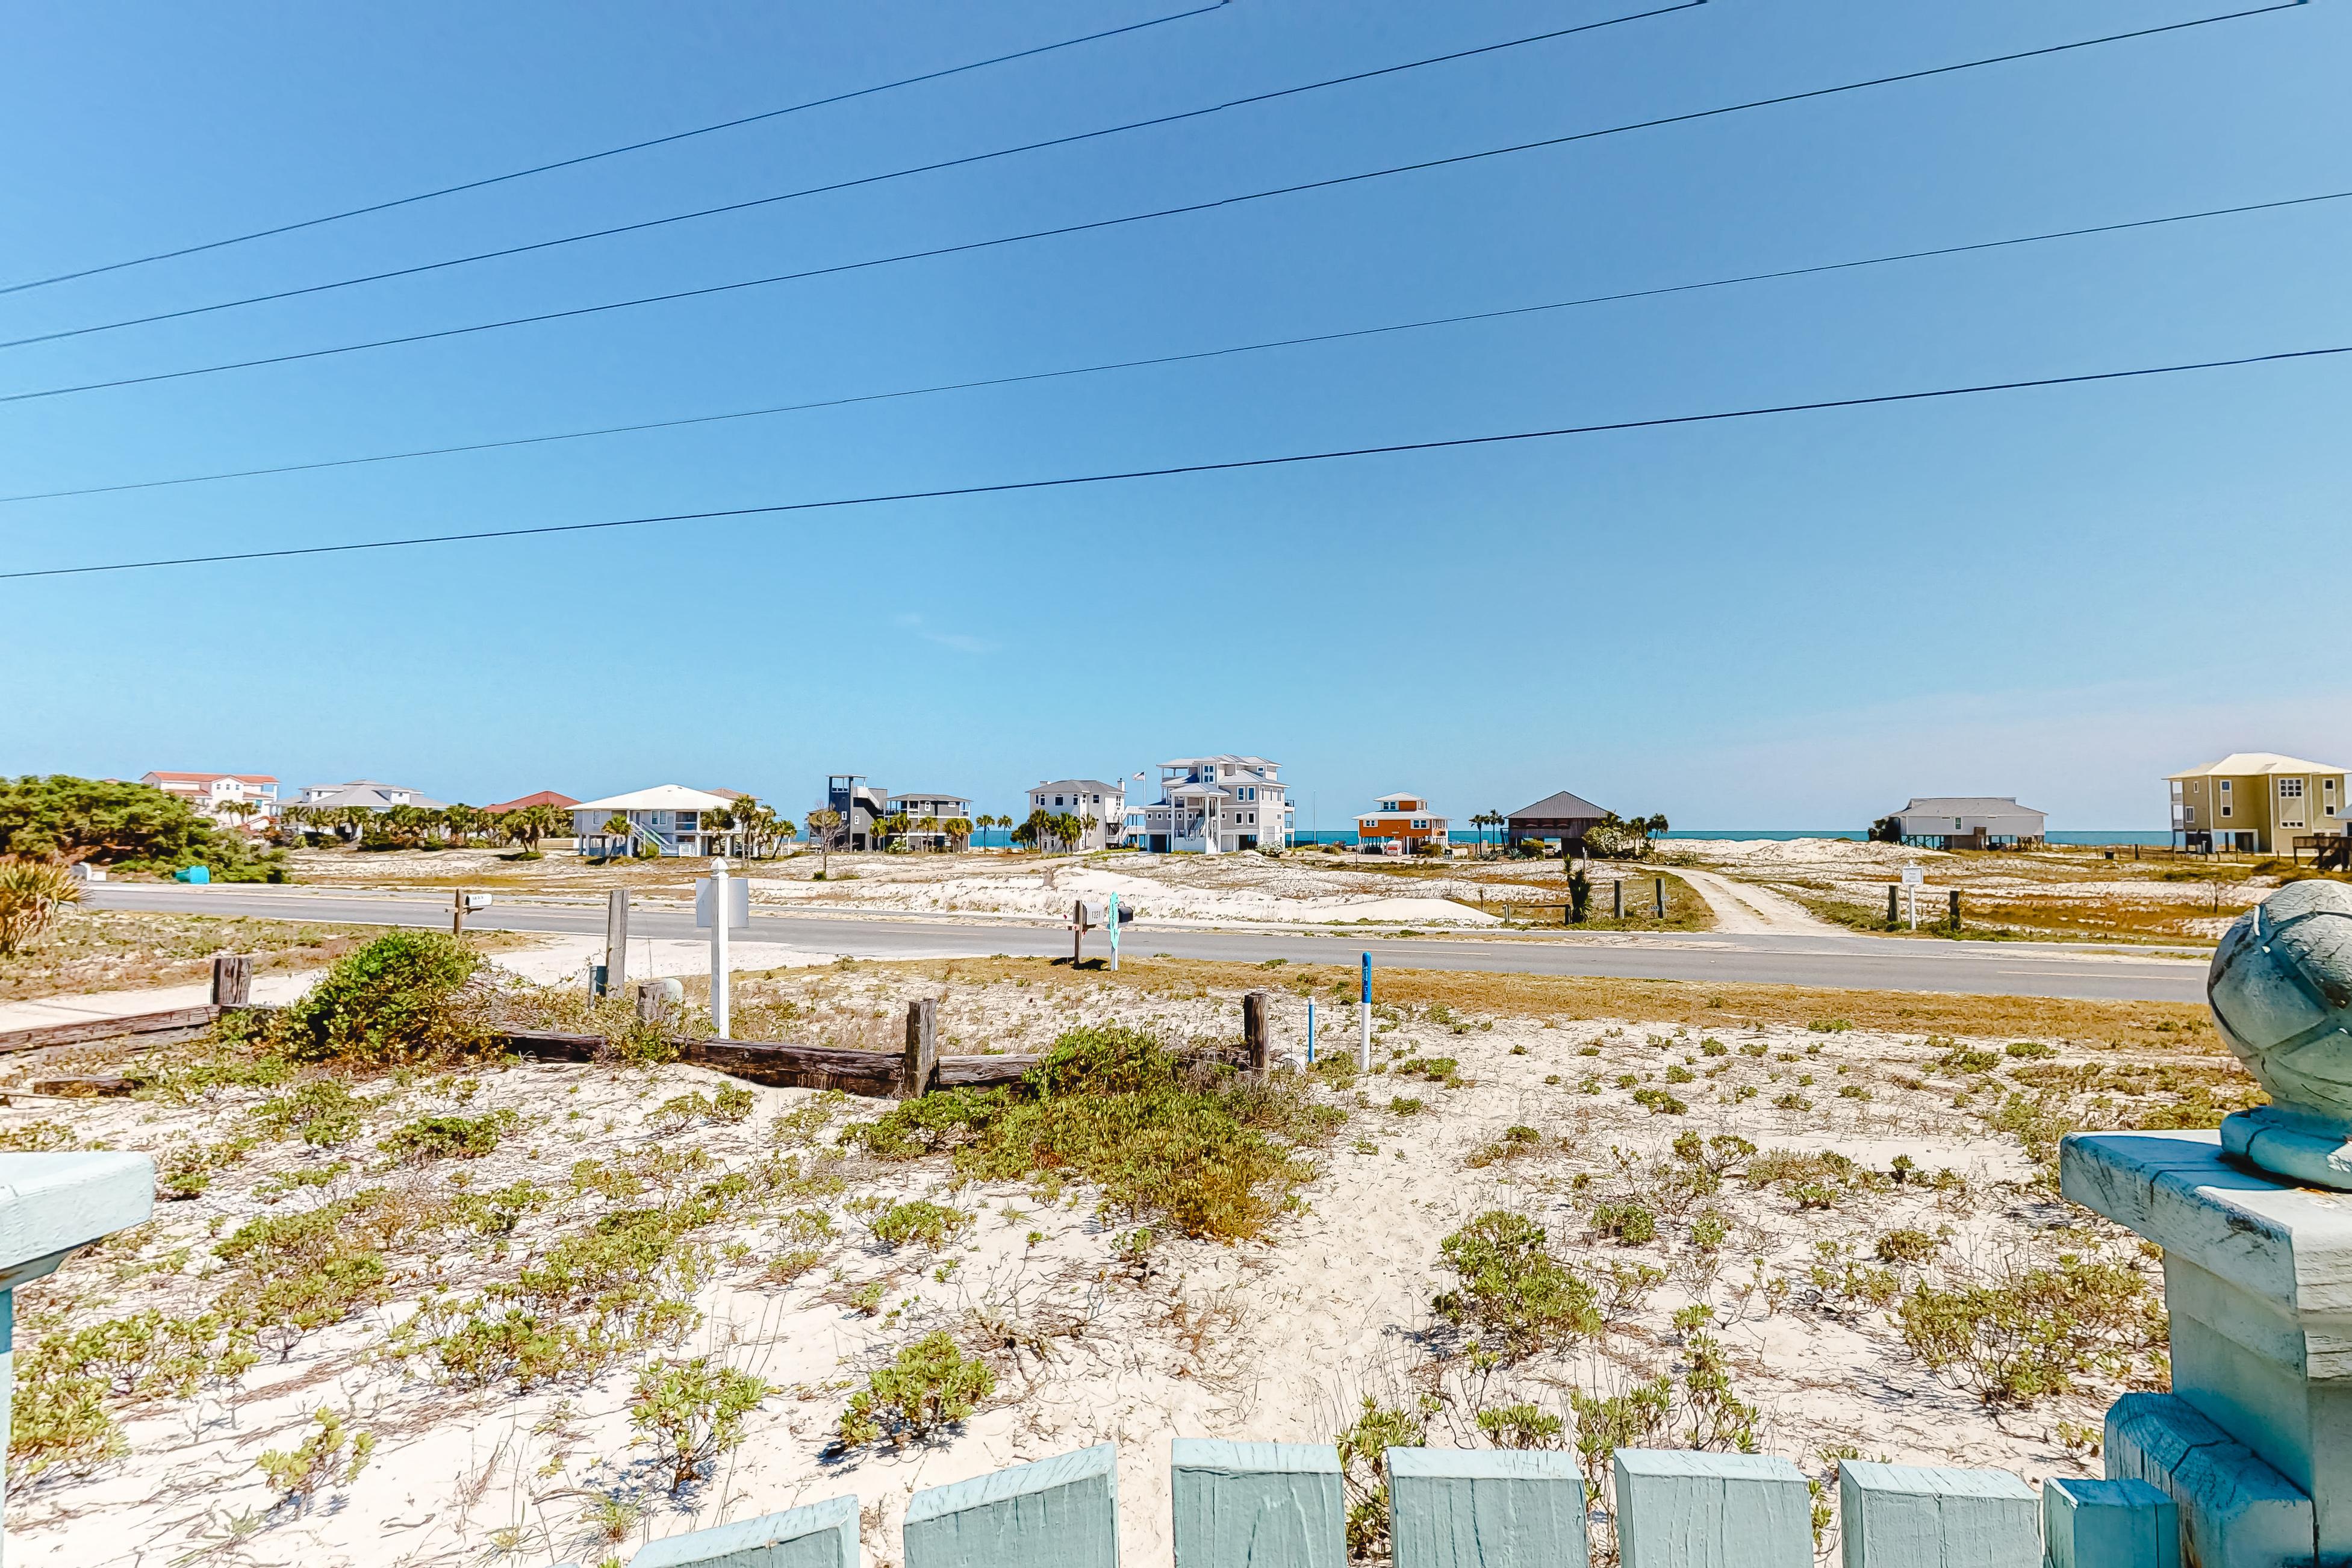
x: 566, y: 1305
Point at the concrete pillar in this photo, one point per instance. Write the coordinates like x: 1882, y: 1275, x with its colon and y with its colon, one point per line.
x: 1061, y: 1512
x: 1902, y: 1516
x: 1486, y: 1508
x: 2254, y: 1443
x: 1678, y: 1508
x: 1257, y: 1505
x: 51, y: 1205
x: 821, y: 1535
x: 2108, y: 1524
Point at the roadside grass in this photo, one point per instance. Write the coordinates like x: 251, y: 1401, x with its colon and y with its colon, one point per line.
x: 121, y: 950
x: 2169, y: 1028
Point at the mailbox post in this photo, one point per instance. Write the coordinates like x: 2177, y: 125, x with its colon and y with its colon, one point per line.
x: 723, y: 905
x: 461, y: 904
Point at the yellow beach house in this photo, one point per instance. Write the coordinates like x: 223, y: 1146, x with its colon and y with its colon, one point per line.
x: 2257, y: 801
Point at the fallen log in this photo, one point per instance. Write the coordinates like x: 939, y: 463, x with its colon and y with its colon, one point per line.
x: 983, y: 1072
x: 877, y: 1075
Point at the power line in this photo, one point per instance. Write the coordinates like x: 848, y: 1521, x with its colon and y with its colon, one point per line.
x: 838, y: 185
x: 1098, y: 224
x: 1261, y: 346
x: 607, y: 153
x: 1173, y: 470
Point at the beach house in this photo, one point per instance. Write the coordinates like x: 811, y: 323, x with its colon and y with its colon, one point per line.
x: 224, y: 797
x: 1403, y: 824
x: 1084, y: 798
x: 1214, y: 806
x: 665, y: 820
x: 1967, y: 822
x: 920, y: 806
x: 2259, y: 801
x: 1562, y: 819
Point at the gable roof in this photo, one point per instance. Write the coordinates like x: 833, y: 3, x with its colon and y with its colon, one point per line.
x: 2241, y: 764
x: 1562, y: 805
x: 1966, y: 806
x: 661, y: 797
x: 367, y: 792
x: 537, y: 797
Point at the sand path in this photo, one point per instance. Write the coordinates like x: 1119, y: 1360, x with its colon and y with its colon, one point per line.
x: 1745, y: 911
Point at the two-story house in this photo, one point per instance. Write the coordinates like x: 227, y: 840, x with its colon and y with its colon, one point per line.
x: 1084, y: 798
x: 222, y: 796
x: 1403, y: 824
x: 860, y: 805
x: 1214, y: 806
x: 2257, y: 801
x: 928, y: 805
x: 665, y: 820
x: 365, y: 793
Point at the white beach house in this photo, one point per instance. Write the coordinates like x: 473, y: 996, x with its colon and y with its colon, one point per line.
x: 1214, y: 806
x: 1083, y: 798
x: 667, y: 819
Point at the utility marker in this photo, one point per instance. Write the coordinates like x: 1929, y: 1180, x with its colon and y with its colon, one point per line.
x: 719, y: 904
x: 1364, y: 1050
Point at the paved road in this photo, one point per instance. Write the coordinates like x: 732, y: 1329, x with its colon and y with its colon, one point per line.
x: 1837, y: 959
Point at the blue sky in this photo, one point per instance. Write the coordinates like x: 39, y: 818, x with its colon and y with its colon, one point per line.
x: 1786, y: 622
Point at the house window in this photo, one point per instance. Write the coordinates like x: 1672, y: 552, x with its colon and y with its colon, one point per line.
x: 2225, y: 797
x: 2290, y: 789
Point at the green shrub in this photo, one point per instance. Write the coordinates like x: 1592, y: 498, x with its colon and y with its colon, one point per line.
x: 1512, y: 1290
x: 1208, y: 1152
x: 1404, y: 1105
x: 732, y: 1103
x: 2028, y: 1332
x: 931, y: 1384
x: 917, y: 1220
x: 1521, y: 1426
x: 398, y: 999
x: 1517, y: 1143
x: 1659, y: 1102
x: 1907, y: 1246
x: 518, y: 1344
x: 1629, y: 1224
x: 430, y: 1138
x: 323, y: 1110
x: 334, y: 1455
x: 690, y: 1412
x: 1363, y: 1448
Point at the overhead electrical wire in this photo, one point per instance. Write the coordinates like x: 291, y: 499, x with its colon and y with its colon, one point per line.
x: 1098, y: 224
x: 837, y: 185
x: 576, y: 161
x: 1178, y: 469
x: 1195, y: 354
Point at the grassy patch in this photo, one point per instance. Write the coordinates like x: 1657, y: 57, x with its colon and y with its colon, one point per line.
x: 1187, y: 1143
x: 1512, y: 1291
x: 931, y: 1384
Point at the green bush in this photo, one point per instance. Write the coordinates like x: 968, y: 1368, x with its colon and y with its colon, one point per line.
x: 917, y: 1220
x: 931, y: 1384
x: 1628, y: 1224
x: 2028, y: 1332
x: 691, y: 1412
x: 323, y: 1110
x: 430, y: 1138
x: 1208, y: 1152
x: 401, y: 998
x: 1513, y: 1291
x: 133, y: 827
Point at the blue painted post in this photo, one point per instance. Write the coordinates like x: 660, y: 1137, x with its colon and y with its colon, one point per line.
x: 1486, y: 1508
x: 1901, y: 1516
x: 2235, y: 1510
x: 821, y: 1535
x: 1684, y: 1509
x: 1257, y: 1505
x: 1364, y: 1010
x: 1061, y: 1512
x: 2108, y: 1524
x: 51, y: 1205
x: 1310, y: 1032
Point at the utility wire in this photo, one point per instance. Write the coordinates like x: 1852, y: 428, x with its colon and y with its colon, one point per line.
x: 1098, y: 224
x: 607, y: 153
x: 1229, y: 466
x: 861, y: 181
x: 1227, y: 351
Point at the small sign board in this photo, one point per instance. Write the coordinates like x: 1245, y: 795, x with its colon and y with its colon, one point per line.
x: 1913, y: 876
x: 739, y: 904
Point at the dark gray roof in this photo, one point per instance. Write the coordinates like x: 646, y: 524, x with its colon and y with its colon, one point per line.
x: 1562, y: 805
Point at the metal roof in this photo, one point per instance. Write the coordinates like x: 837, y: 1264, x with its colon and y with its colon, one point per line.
x: 1562, y: 805
x: 2241, y: 764
x: 661, y: 797
x: 1966, y: 806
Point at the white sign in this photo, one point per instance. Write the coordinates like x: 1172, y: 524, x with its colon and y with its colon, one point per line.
x: 1913, y: 876
x: 739, y: 904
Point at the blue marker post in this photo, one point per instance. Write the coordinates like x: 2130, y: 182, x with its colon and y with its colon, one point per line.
x: 1310, y: 1031
x: 1364, y: 1010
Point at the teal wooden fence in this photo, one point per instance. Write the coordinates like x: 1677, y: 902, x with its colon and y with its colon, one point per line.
x: 1281, y: 1505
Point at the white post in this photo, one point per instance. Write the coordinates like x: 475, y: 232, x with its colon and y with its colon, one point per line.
x: 1364, y: 1012
x: 718, y: 947
x: 1114, y: 932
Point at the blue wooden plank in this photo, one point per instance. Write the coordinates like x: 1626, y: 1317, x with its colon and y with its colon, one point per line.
x: 1678, y: 1510
x: 1257, y: 1505
x: 820, y: 1535
x: 2108, y: 1524
x: 1061, y: 1512
x: 1926, y: 1516
x: 1486, y: 1508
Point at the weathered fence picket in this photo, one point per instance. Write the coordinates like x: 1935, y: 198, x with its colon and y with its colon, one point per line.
x: 1924, y: 1513
x: 1061, y: 1512
x: 1257, y: 1505
x: 1486, y: 1508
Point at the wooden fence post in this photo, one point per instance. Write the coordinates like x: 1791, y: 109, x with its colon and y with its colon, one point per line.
x: 1677, y: 1509
x: 819, y: 1535
x: 2108, y: 1524
x: 1253, y: 1031
x: 1061, y: 1512
x: 1891, y: 916
x: 1617, y: 898
x: 232, y: 979
x: 1257, y: 1503
x: 1956, y: 909
x: 922, y: 1049
x: 617, y: 940
x: 1895, y: 1515
x: 1486, y: 1508
x: 1662, y: 897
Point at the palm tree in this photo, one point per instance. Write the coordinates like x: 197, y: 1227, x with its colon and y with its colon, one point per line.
x: 958, y: 832
x: 928, y: 826
x: 824, y: 822
x: 527, y: 825
x: 1086, y: 825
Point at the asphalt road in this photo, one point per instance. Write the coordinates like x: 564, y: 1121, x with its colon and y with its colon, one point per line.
x: 1850, y: 961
